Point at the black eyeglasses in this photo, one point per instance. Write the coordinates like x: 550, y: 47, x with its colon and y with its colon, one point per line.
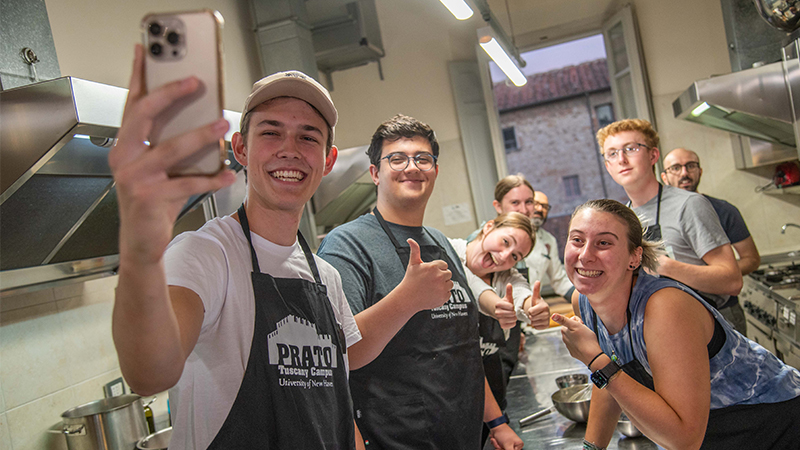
x: 399, y: 161
x: 675, y: 169
x: 545, y: 207
x: 630, y: 149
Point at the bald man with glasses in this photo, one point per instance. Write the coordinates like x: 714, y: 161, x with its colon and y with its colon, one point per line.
x: 682, y: 170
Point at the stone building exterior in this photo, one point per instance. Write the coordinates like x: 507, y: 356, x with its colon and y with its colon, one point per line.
x: 549, y: 128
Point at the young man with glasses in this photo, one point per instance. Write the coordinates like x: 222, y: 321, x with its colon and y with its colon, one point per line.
x: 426, y: 389
x: 682, y: 170
x: 698, y: 251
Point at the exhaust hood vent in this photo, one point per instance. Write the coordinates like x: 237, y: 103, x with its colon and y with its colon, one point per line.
x: 752, y: 102
x: 58, y: 206
x: 345, y: 193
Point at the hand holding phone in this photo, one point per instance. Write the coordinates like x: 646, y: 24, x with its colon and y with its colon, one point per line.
x: 177, y: 46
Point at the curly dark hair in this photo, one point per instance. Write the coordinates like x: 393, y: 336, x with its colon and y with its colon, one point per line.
x: 398, y: 127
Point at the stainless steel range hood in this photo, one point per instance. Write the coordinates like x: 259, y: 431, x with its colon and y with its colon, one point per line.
x: 58, y: 206
x: 753, y: 102
x: 345, y: 193
x: 756, y: 103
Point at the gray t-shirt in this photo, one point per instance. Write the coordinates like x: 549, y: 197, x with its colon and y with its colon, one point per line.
x: 367, y: 260
x: 390, y: 394
x: 690, y: 228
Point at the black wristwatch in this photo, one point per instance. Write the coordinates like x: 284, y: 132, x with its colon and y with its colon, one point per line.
x: 602, y: 377
x: 497, y: 422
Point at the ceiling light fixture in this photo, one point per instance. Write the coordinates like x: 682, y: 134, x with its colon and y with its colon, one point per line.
x: 491, y: 45
x: 459, y: 8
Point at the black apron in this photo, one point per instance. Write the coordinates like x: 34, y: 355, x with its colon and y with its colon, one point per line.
x: 294, y: 393
x: 425, y: 390
x: 653, y: 232
x: 493, y: 344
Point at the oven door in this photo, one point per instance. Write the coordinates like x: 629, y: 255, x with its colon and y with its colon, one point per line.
x: 787, y: 351
x: 760, y: 333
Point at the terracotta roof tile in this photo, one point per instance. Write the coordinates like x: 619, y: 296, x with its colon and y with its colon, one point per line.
x: 548, y: 86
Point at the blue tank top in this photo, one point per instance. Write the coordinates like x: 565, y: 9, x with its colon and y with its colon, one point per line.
x: 742, y: 372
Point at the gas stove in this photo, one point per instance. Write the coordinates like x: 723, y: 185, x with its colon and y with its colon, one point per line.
x: 780, y: 277
x: 771, y: 301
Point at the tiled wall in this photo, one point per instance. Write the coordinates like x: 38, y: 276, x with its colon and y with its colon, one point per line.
x: 56, y: 352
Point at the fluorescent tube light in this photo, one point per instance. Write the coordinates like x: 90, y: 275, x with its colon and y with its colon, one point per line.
x: 496, y: 52
x: 459, y: 8
x: 700, y: 109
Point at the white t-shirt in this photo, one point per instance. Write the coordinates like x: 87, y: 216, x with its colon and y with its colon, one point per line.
x: 215, y: 263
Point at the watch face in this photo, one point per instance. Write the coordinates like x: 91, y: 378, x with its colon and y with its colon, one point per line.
x: 599, y: 379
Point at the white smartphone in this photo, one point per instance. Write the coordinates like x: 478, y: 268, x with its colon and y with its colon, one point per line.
x: 178, y: 45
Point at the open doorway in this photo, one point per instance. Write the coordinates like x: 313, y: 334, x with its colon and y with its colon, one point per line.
x: 549, y: 125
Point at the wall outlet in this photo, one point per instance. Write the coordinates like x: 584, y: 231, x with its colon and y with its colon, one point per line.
x: 114, y: 388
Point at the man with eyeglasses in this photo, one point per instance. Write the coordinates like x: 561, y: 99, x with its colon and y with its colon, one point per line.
x: 543, y: 262
x: 699, y: 254
x: 426, y: 388
x: 682, y: 170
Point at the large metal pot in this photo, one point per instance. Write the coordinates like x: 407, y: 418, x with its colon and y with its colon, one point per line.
x: 114, y: 423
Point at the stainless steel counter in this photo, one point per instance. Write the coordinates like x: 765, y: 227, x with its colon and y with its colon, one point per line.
x: 530, y: 388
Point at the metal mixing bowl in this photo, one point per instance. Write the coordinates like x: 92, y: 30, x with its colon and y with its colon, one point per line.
x: 571, y: 380
x: 625, y: 427
x: 781, y: 14
x: 158, y: 440
x: 573, y: 402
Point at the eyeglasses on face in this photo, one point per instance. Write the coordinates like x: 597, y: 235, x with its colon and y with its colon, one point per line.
x: 399, y: 161
x: 544, y: 206
x: 629, y: 149
x: 675, y: 169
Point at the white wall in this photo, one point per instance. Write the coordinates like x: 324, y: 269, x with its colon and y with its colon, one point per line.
x: 56, y: 353
x: 94, y: 40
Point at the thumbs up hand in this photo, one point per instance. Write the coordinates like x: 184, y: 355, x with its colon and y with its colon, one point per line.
x: 504, y: 309
x: 538, y: 311
x: 426, y: 285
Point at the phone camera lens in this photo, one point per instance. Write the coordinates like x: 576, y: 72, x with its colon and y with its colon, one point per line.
x: 173, y: 37
x: 156, y: 49
x: 155, y: 28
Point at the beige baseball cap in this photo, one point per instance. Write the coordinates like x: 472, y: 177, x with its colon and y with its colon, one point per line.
x: 292, y: 84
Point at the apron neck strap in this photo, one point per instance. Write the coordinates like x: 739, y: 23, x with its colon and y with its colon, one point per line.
x: 309, y: 257
x: 658, y: 204
x: 385, y: 227
x: 303, y: 244
x: 246, y: 228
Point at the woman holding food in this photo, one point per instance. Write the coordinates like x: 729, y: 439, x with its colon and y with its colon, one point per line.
x: 501, y: 290
x: 687, y: 379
